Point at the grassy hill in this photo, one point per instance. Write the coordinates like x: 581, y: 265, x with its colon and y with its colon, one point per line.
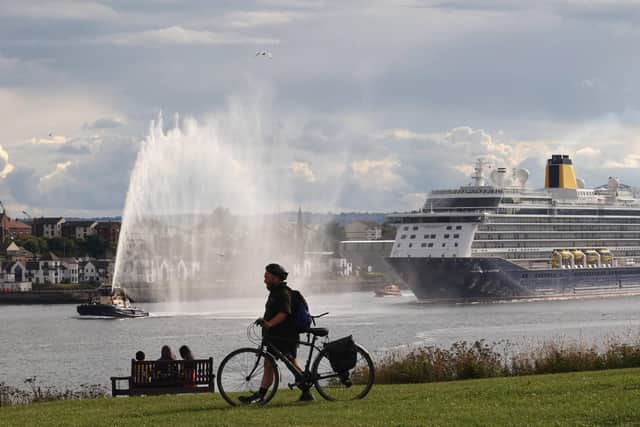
x: 610, y: 397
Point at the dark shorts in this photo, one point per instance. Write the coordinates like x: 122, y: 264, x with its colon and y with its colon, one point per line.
x: 288, y: 347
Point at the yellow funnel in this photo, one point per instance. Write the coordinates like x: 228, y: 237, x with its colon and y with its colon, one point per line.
x: 559, y: 172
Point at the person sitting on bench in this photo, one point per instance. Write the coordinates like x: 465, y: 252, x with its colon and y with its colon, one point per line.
x: 189, y: 366
x: 164, y: 369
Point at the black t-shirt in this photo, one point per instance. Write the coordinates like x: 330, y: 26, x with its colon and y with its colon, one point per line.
x: 279, y: 301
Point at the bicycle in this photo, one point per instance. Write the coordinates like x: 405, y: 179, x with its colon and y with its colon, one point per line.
x: 241, y: 370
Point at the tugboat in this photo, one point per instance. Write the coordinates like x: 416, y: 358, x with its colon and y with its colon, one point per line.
x: 392, y: 290
x: 110, y: 302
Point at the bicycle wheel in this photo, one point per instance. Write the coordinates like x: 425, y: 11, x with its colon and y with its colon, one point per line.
x: 240, y: 374
x: 351, y: 385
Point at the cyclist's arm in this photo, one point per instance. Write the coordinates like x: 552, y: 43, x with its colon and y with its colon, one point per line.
x: 276, y: 320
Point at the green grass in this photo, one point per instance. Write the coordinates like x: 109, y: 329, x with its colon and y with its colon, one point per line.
x: 610, y: 397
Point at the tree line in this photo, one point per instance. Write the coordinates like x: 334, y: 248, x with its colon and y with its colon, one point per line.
x: 93, y: 246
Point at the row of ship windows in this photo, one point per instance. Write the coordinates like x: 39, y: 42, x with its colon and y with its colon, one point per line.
x: 427, y: 245
x: 548, y: 236
x: 555, y: 243
x: 430, y: 236
x: 415, y: 227
x: 565, y: 228
x: 560, y: 219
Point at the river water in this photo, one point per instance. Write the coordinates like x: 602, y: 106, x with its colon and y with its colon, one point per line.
x: 64, y: 350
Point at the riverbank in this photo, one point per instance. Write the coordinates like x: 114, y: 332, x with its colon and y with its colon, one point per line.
x: 53, y: 296
x: 195, y: 293
x: 582, y: 398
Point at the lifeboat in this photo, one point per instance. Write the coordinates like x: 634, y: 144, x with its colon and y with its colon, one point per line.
x: 605, y: 256
x: 578, y: 257
x: 593, y: 258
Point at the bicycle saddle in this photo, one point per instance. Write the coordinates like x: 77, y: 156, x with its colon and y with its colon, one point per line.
x: 319, y: 332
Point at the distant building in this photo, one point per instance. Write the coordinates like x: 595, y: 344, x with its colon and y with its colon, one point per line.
x: 70, y: 270
x: 47, y: 227
x: 363, y: 230
x: 11, y: 228
x: 368, y: 255
x: 13, y: 252
x: 109, y: 231
x: 79, y: 230
x: 48, y: 270
x: 13, y: 271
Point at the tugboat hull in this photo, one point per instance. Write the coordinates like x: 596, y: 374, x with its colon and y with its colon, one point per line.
x: 106, y: 310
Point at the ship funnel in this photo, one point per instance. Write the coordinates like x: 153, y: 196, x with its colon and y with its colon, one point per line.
x: 499, y: 177
x: 559, y: 172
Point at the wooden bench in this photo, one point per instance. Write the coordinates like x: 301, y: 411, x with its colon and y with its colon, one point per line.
x: 166, y: 377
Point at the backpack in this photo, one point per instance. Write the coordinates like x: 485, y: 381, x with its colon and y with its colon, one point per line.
x: 300, y: 316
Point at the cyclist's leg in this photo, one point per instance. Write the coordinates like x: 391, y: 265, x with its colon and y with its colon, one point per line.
x: 267, y: 376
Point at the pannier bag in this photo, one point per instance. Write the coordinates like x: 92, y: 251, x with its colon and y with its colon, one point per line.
x: 342, y: 354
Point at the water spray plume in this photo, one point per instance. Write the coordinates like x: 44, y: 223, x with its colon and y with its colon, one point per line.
x: 195, y: 222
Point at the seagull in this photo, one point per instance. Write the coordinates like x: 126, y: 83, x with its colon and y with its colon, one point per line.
x: 264, y: 53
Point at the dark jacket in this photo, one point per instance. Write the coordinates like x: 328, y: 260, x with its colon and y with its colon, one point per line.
x: 279, y: 301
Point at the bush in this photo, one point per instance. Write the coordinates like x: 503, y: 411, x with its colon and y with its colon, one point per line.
x: 14, y: 396
x: 480, y: 360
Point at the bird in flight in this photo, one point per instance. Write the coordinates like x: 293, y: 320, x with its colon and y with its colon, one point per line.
x: 264, y: 53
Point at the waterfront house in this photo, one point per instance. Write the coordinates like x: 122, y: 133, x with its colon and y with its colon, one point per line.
x: 70, y: 270
x: 104, y: 270
x: 47, y: 270
x: 87, y: 272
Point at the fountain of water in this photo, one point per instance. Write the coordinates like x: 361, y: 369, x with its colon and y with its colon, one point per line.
x: 196, y: 222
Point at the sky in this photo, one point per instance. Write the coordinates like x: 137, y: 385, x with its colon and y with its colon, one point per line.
x: 372, y: 103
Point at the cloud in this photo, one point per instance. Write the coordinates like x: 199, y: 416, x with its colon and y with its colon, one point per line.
x: 177, y: 35
x: 377, y: 174
x: 51, y: 139
x: 104, y: 123
x: 588, y: 152
x: 32, y: 114
x: 630, y: 161
x: 7, y: 167
x: 71, y: 10
x: 92, y: 183
x: 476, y: 142
x: 402, y: 134
x: 250, y: 19
x: 58, y: 172
x: 302, y: 170
x: 8, y: 64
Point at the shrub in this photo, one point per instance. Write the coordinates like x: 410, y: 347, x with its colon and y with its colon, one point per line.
x: 481, y: 360
x: 10, y: 395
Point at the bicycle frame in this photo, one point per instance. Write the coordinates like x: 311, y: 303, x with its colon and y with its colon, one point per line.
x: 302, y: 378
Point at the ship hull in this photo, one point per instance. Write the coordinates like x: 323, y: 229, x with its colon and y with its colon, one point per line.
x: 106, y: 310
x: 468, y: 279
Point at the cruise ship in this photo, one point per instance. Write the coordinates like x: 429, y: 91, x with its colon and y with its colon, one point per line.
x: 497, y: 239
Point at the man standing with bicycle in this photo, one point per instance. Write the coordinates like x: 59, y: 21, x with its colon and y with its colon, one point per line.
x: 278, y: 328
